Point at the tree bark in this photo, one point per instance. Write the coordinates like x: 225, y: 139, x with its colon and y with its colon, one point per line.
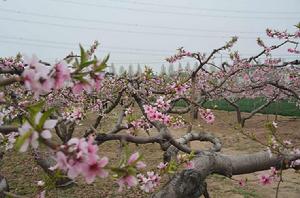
x: 194, y: 110
x: 191, y: 183
x: 237, y: 110
x: 239, y: 117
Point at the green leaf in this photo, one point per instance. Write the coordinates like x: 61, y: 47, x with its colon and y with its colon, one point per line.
x: 191, y: 155
x: 30, y: 120
x: 44, y: 117
x: 83, y: 56
x: 81, y: 79
x: 140, y: 157
x: 106, y: 58
x: 76, y: 63
x: 16, y: 120
x: 298, y: 25
x: 131, y: 170
x: 51, y: 180
x: 86, y: 64
x: 102, y: 65
x: 20, y: 141
x: 172, y: 167
x: 119, y: 171
x: 34, y: 109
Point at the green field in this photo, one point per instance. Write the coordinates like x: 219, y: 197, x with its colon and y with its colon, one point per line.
x: 285, y: 108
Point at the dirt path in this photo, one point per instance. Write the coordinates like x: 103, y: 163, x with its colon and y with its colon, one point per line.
x: 22, y: 172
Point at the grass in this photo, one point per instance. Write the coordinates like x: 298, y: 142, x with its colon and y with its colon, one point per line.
x: 283, y: 107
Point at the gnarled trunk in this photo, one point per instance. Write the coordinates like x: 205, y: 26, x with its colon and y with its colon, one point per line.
x: 191, y: 183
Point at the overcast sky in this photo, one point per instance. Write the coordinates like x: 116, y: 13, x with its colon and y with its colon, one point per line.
x: 139, y: 31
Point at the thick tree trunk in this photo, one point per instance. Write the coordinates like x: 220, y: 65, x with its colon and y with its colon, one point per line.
x: 191, y: 183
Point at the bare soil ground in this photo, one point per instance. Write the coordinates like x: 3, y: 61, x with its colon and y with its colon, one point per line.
x: 22, y: 172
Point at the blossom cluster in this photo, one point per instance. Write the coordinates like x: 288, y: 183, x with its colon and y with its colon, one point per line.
x: 127, y: 171
x: 163, y: 104
x: 207, y: 115
x: 141, y: 123
x: 274, y: 33
x: 275, y: 144
x: 79, y: 157
x: 293, y: 50
x: 264, y: 179
x: 296, y: 162
x: 162, y: 166
x: 97, y: 106
x: 89, y: 84
x: 148, y: 182
x: 30, y: 132
x: 6, y: 113
x: 178, y: 122
x: 268, y: 178
x: 179, y: 88
x: 75, y: 114
x: 272, y: 61
x: 11, y: 62
x: 41, y: 79
x: 186, y: 161
x: 11, y: 140
x: 93, y: 48
x: 154, y: 115
x: 282, y: 35
x: 181, y: 54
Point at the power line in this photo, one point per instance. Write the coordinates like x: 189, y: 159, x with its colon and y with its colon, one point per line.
x: 64, y: 47
x: 205, y: 9
x: 33, y: 44
x: 119, y: 23
x: 168, y: 12
x: 16, y: 42
x: 137, y: 62
x: 72, y: 44
x: 67, y: 44
x: 63, y: 43
x: 57, y: 46
x: 122, y: 31
x: 68, y: 48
